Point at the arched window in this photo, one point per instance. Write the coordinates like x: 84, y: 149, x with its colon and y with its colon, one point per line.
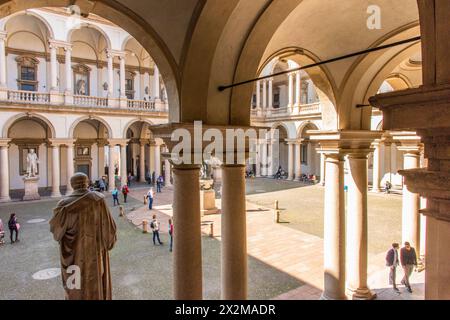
x: 81, y: 74
x: 27, y: 73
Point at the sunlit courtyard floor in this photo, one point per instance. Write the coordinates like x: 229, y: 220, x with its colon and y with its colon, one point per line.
x: 285, y: 260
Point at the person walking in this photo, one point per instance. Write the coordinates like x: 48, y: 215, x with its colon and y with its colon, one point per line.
x: 408, y: 260
x: 392, y: 261
x: 155, y: 228
x: 13, y: 226
x: 159, y: 184
x: 102, y: 185
x: 129, y: 177
x: 150, y: 195
x: 125, y: 191
x: 115, y: 195
x: 171, y: 234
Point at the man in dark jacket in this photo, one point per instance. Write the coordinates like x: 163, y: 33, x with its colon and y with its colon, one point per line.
x: 408, y: 259
x: 392, y: 261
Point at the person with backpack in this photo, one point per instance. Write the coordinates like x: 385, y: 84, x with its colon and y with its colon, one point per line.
x: 171, y: 234
x: 150, y: 195
x: 125, y: 191
x: 115, y: 195
x: 154, y: 225
x: 13, y: 226
x: 159, y: 183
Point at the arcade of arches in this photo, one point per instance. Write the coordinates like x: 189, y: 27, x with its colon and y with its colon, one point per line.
x: 380, y: 116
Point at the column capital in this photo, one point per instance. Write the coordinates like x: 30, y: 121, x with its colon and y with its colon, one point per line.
x: 53, y: 43
x: 115, y: 53
x: 3, y: 35
x: 121, y: 142
x: 344, y: 141
x: 4, y: 142
x: 56, y: 142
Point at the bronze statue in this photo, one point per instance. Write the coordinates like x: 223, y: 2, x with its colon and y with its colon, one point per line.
x: 86, y: 231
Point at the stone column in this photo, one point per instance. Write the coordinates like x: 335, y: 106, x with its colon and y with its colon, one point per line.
x: 270, y: 105
x: 234, y: 233
x: 156, y: 86
x: 157, y: 160
x: 4, y: 170
x: 70, y: 166
x: 110, y: 58
x: 334, y: 228
x: 297, y: 88
x: 290, y: 90
x: 298, y: 160
x: 270, y: 158
x: 258, y: 97
x: 411, y: 204
x: 376, y: 166
x: 258, y: 159
x: 111, y: 169
x: 142, y: 162
x: 53, y: 67
x: 322, y: 168
x: 187, y: 246
x: 264, y: 168
x: 3, y: 82
x: 68, y: 66
x: 290, y: 160
x: 55, y: 170
x: 264, y: 95
x: 357, y: 226
x: 387, y: 160
x: 123, y: 164
x: 167, y: 170
x: 122, y: 77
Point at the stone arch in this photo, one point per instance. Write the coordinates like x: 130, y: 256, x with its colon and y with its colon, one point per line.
x: 367, y: 74
x: 289, y: 127
x: 133, y: 121
x: 320, y: 76
x: 23, y: 116
x: 81, y: 119
x: 89, y: 26
x: 125, y: 42
x: 128, y: 20
x: 32, y: 14
x: 301, y: 129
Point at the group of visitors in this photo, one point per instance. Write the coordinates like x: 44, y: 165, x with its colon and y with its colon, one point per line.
x: 155, y: 225
x: 115, y: 194
x: 13, y: 226
x: 408, y: 261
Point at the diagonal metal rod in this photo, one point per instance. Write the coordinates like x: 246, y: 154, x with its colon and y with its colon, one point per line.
x: 351, y: 55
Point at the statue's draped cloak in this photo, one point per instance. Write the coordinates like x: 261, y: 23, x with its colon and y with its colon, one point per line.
x: 86, y: 231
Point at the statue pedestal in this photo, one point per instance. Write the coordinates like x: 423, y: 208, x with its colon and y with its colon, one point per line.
x: 208, y: 202
x: 31, y: 189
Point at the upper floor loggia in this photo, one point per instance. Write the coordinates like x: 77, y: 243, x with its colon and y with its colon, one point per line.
x: 51, y: 56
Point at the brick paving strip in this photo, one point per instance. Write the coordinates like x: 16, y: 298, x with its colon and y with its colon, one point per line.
x: 291, y: 251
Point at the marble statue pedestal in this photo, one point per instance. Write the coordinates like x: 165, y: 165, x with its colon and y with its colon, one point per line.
x: 31, y: 189
x: 208, y: 202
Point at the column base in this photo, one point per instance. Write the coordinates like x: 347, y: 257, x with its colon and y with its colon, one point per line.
x: 324, y: 296
x: 56, y: 194
x: 5, y: 199
x: 377, y: 190
x: 361, y: 294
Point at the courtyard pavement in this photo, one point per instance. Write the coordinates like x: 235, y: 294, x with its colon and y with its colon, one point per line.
x: 285, y: 259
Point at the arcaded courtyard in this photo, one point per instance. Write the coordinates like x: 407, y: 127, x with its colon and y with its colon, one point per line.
x: 285, y: 259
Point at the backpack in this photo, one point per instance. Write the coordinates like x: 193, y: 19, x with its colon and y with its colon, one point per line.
x: 152, y: 225
x: 12, y: 223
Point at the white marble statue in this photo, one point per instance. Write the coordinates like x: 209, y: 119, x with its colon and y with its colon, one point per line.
x: 32, y: 161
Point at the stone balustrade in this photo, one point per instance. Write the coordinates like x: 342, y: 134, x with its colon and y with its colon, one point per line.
x: 28, y: 96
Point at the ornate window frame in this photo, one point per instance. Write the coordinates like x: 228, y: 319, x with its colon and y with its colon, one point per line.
x: 29, y: 62
x: 129, y: 76
x: 84, y: 71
